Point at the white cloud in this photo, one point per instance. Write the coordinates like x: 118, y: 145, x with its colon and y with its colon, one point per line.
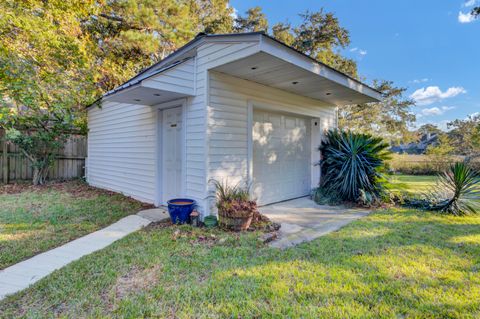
x: 432, y: 94
x: 448, y: 108
x: 465, y: 17
x: 361, y: 52
x: 432, y: 111
x: 435, y: 110
x: 470, y: 3
x: 416, y: 81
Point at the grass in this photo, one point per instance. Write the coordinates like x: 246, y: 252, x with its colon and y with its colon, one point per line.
x: 412, y: 183
x: 394, y: 263
x: 36, y: 219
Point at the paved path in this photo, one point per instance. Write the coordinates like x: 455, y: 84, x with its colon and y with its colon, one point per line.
x: 303, y: 220
x: 25, y: 273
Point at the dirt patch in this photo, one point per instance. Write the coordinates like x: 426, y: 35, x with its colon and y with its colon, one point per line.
x: 136, y: 280
x: 159, y: 225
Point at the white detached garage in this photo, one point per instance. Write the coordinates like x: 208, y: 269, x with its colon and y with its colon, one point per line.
x: 236, y: 107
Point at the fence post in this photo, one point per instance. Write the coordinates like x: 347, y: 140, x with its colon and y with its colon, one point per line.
x: 5, y: 171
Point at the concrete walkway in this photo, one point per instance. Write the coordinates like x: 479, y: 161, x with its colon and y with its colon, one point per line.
x: 303, y: 220
x: 25, y: 273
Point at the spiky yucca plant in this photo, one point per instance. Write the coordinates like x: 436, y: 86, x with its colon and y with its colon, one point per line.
x: 457, y: 191
x: 352, y: 164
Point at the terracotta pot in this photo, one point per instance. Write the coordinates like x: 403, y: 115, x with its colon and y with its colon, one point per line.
x: 234, y: 223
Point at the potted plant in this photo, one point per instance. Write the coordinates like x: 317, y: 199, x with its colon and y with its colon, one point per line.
x: 235, y: 208
x: 180, y: 209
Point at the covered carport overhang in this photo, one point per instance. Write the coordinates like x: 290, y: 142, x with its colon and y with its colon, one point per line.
x: 279, y: 66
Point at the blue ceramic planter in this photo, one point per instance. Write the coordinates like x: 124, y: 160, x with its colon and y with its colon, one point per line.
x: 180, y: 209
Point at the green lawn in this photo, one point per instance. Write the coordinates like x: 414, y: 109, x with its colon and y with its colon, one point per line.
x: 36, y: 219
x: 392, y: 264
x: 412, y: 183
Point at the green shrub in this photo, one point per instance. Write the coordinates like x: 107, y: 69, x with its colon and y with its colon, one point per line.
x: 457, y: 192
x: 352, y: 166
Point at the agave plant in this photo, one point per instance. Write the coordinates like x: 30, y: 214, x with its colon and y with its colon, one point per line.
x: 352, y: 164
x: 457, y: 191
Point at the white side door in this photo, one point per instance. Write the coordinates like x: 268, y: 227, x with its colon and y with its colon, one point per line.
x: 172, y: 153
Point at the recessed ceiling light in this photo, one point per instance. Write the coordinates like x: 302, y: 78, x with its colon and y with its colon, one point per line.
x: 328, y: 93
x: 157, y: 94
x: 295, y: 82
x: 253, y: 68
x: 137, y: 100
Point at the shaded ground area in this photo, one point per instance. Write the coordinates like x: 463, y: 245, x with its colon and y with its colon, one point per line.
x: 34, y: 219
x: 303, y: 220
x: 390, y: 264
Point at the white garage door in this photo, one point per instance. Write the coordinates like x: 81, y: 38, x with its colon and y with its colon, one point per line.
x: 281, y: 156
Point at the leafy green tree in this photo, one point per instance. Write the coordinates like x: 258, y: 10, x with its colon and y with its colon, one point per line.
x: 130, y: 35
x: 254, y: 21
x: 320, y: 36
x: 466, y: 135
x: 440, y: 153
x: 45, y: 77
x: 427, y: 129
x: 389, y: 118
x: 57, y: 56
x: 283, y: 32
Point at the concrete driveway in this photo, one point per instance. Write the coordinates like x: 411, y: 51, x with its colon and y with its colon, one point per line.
x: 303, y: 220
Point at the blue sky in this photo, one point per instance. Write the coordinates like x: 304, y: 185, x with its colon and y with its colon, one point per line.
x: 430, y: 47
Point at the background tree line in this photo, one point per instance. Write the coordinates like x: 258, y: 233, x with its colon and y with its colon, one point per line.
x: 56, y: 57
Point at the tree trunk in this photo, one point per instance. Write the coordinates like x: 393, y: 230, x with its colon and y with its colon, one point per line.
x: 36, y: 176
x: 40, y: 175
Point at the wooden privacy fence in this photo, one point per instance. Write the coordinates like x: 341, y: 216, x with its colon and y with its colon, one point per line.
x: 69, y: 162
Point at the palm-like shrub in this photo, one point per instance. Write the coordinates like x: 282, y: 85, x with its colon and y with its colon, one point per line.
x: 457, y: 192
x: 352, y: 165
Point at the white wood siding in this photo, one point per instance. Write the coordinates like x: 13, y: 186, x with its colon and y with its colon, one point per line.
x: 179, y: 79
x: 198, y: 131
x: 227, y: 121
x: 122, y: 149
x: 123, y: 137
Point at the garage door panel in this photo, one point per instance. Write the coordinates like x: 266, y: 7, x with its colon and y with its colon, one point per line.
x: 281, y: 156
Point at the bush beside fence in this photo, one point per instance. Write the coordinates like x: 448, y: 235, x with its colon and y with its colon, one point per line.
x: 69, y: 162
